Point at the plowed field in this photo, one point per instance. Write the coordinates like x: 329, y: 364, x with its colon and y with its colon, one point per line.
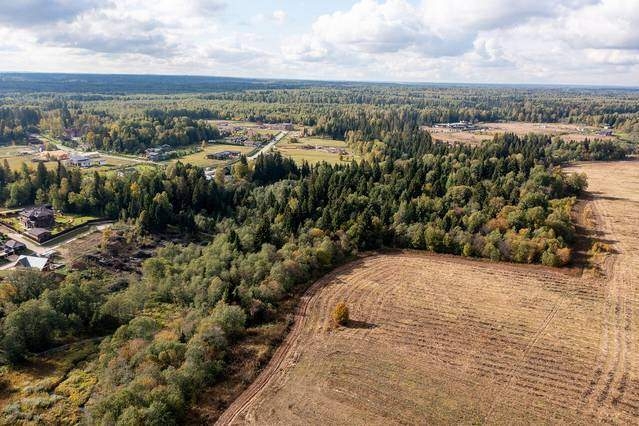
x: 438, y: 339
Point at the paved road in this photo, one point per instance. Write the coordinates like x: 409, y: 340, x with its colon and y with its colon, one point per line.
x: 269, y: 146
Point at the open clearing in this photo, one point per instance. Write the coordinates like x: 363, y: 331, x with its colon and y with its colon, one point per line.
x: 572, y: 132
x: 439, y: 339
x: 330, y: 150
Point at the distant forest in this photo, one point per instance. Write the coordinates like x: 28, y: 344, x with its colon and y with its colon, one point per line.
x: 129, y: 113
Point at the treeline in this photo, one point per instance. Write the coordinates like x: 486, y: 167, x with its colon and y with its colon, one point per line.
x: 16, y: 123
x: 134, y: 135
x: 131, y: 123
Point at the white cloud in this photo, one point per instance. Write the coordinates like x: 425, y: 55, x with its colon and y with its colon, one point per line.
x: 571, y: 41
x: 279, y: 16
x: 491, y: 40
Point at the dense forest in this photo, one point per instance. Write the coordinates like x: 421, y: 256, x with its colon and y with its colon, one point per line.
x: 142, y: 113
x: 263, y: 234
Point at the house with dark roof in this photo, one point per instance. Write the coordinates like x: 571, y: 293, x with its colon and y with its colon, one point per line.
x: 39, y: 234
x: 38, y: 217
x: 13, y: 246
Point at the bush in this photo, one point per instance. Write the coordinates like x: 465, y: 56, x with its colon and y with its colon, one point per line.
x: 230, y: 318
x: 340, y: 314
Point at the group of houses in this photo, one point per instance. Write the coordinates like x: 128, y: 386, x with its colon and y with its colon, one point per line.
x: 159, y: 153
x: 37, y: 223
x: 16, y: 248
x: 460, y: 125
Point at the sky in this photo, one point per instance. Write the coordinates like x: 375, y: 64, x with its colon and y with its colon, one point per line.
x: 592, y: 42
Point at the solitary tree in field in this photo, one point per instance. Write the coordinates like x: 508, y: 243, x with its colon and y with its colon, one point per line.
x: 340, y: 314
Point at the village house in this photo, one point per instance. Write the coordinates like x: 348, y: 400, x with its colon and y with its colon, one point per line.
x: 38, y: 217
x: 35, y: 262
x: 14, y: 247
x: 78, y: 160
x: 160, y: 153
x: 34, y: 139
x: 39, y: 234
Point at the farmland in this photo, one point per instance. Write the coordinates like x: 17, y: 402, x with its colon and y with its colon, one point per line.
x: 439, y: 339
x: 571, y: 132
x: 315, y: 150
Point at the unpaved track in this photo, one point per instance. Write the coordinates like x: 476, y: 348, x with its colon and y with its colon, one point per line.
x: 438, y: 339
x: 615, y: 381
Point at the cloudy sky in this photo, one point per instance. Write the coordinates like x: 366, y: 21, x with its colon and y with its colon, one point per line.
x: 481, y: 41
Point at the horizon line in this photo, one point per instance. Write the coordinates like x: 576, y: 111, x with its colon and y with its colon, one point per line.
x: 320, y: 80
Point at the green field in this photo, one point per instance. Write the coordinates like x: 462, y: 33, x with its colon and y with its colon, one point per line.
x: 199, y: 158
x: 299, y: 154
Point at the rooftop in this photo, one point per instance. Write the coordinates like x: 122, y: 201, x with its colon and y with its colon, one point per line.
x: 32, y: 262
x: 39, y: 211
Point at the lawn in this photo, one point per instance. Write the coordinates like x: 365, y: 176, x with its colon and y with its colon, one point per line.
x: 299, y: 154
x: 63, y: 221
x: 199, y: 158
x: 15, y: 159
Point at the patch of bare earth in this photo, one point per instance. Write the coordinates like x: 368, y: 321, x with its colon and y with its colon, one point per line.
x: 438, y: 339
x: 486, y: 131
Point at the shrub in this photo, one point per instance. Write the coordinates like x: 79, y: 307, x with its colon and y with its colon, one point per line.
x: 340, y: 314
x: 230, y: 318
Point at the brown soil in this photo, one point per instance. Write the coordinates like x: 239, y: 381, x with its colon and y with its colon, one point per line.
x: 439, y: 339
x: 569, y: 132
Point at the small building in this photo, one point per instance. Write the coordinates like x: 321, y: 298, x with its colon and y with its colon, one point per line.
x: 605, y: 132
x: 38, y: 217
x: 39, y: 234
x: 13, y: 246
x: 36, y: 262
x: 157, y: 154
x: 83, y: 161
x: 34, y: 139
